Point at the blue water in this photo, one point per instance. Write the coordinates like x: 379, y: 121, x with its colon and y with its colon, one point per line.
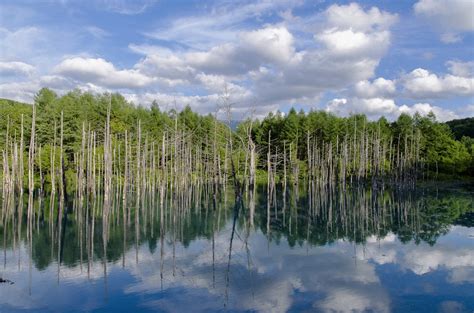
x: 375, y: 252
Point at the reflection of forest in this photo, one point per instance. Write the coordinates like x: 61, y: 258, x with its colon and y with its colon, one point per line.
x: 319, y: 217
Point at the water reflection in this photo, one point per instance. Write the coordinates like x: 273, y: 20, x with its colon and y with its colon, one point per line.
x: 329, y: 250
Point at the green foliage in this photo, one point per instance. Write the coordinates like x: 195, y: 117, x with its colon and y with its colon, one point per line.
x: 11, y: 113
x: 462, y: 127
x: 439, y: 150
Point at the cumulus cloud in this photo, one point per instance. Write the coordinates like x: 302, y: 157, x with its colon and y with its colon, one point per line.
x: 201, y: 104
x: 272, y: 44
x: 449, y: 16
x: 347, y: 55
x: 380, y: 87
x: 377, y: 107
x: 20, y: 91
x: 267, y: 45
x: 101, y: 72
x: 377, y: 98
x: 373, y: 107
x: 421, y: 83
x: 349, y: 30
x: 353, y: 16
x: 295, y: 61
x: 262, y: 66
x: 425, y: 108
x: 265, y: 65
x: 16, y: 68
x: 349, y: 42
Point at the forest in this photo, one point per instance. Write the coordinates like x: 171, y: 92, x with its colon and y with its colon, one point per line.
x: 83, y: 139
x: 87, y: 177
x: 462, y: 127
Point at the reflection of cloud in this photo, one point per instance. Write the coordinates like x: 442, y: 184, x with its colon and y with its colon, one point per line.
x: 344, y: 300
x: 463, y: 274
x: 451, y: 307
x: 268, y: 286
x: 334, y: 278
x: 454, y: 252
x: 425, y: 260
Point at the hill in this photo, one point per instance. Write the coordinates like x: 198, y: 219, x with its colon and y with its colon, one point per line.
x: 462, y: 127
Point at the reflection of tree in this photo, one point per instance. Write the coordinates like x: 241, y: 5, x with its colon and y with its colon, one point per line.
x: 421, y: 215
x: 466, y: 219
x: 353, y: 214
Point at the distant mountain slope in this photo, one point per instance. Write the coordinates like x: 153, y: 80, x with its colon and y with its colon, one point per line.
x: 462, y: 127
x: 4, y: 101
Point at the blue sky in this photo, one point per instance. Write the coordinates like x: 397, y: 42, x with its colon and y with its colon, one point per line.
x: 374, y: 57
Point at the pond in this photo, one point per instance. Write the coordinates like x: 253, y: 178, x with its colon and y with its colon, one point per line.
x: 330, y: 250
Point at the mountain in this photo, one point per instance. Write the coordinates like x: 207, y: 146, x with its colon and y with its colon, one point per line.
x: 462, y: 127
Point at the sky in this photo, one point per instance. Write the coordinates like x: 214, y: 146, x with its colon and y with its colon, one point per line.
x: 381, y: 58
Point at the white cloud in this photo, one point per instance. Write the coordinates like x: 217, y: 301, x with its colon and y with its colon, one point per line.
x: 263, y: 67
x: 218, y: 84
x: 201, y: 104
x: 425, y: 108
x: 380, y: 87
x: 335, y: 104
x: 450, y: 38
x: 265, y: 64
x: 124, y: 6
x: 351, y: 32
x: 450, y: 16
x: 16, y: 68
x: 90, y: 70
x: 349, y: 53
x: 347, y: 42
x: 56, y: 82
x: 373, y: 107
x: 267, y: 45
x: 18, y: 44
x: 377, y: 107
x: 272, y: 44
x: 462, y: 69
x: 221, y: 24
x: 19, y: 91
x: 353, y: 16
x: 338, y: 50
x: 168, y: 69
x: 97, y: 32
x: 421, y: 83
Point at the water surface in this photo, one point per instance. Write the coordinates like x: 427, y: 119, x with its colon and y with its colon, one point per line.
x: 352, y: 250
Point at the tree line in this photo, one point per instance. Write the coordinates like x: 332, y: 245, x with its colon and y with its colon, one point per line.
x: 84, y: 142
x: 462, y: 127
